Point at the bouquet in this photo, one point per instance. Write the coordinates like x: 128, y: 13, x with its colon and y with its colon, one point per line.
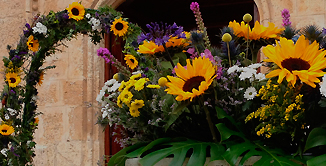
x: 180, y: 93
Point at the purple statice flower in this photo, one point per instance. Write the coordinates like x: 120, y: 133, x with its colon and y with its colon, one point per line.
x: 27, y: 26
x: 286, y: 17
x: 161, y: 33
x: 16, y: 57
x: 143, y: 75
x: 193, y: 53
x: 194, y: 6
x: 12, y: 150
x: 12, y: 92
x: 104, y: 53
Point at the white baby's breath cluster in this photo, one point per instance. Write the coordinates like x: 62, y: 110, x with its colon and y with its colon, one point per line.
x: 40, y: 28
x: 323, y: 86
x: 96, y: 24
x: 108, y: 91
x: 249, y: 72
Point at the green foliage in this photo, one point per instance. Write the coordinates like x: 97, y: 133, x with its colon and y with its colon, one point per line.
x: 180, y: 148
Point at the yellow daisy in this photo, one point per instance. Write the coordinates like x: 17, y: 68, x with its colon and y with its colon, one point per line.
x: 139, y: 85
x: 193, y: 81
x: 32, y: 43
x: 153, y: 86
x: 137, y: 104
x: 76, y: 11
x: 6, y: 129
x: 296, y: 61
x: 13, y: 79
x: 119, y: 27
x: 134, y: 111
x: 150, y: 48
x: 131, y: 61
x: 257, y: 32
x: 126, y: 97
x: 134, y: 77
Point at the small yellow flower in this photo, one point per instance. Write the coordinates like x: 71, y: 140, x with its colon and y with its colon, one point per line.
x: 134, y: 77
x: 134, y: 111
x: 139, y: 85
x: 247, y: 17
x: 137, y: 104
x: 36, y: 120
x: 162, y: 81
x: 226, y: 37
x: 6, y: 129
x: 40, y: 80
x: 116, y: 76
x: 153, y: 86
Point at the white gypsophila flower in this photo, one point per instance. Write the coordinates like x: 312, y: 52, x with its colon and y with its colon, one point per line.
x: 7, y: 117
x: 233, y: 69
x: 250, y: 93
x: 4, y: 151
x: 88, y: 15
x: 260, y: 76
x: 40, y: 28
x: 12, y: 112
x: 322, y: 88
x: 96, y: 24
x: 255, y: 66
x: 100, y: 96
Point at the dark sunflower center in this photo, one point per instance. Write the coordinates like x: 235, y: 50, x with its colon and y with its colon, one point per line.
x: 31, y: 44
x: 133, y: 61
x: 4, y: 131
x: 75, y: 11
x: 193, y: 82
x: 295, y: 64
x: 118, y: 26
x: 12, y: 80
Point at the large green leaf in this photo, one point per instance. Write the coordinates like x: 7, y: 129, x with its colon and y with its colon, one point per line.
x: 226, y: 133
x: 119, y: 158
x: 319, y: 160
x: 179, y: 149
x: 317, y: 137
x: 175, y: 114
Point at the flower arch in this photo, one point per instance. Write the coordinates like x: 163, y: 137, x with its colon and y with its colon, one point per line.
x: 24, y: 69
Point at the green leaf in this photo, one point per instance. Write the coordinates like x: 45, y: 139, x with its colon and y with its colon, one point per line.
x: 168, y: 65
x: 226, y: 133
x: 153, y: 143
x: 319, y: 160
x: 179, y: 150
x: 120, y: 157
x: 175, y: 114
x: 317, y: 137
x: 182, y: 58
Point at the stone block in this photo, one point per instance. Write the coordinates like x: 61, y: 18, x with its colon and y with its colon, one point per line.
x: 70, y: 153
x: 45, y: 155
x: 312, y: 7
x: 49, y: 92
x: 73, y: 92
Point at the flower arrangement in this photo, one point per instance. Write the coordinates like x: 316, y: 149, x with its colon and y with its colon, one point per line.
x: 24, y: 70
x: 183, y: 93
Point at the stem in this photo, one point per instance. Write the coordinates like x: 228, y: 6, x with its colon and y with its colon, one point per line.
x: 169, y: 56
x: 247, y: 41
x: 227, y: 44
x: 209, y: 120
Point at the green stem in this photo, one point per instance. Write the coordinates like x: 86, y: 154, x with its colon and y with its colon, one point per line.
x: 169, y: 56
x: 209, y: 120
x: 227, y: 43
x: 247, y: 41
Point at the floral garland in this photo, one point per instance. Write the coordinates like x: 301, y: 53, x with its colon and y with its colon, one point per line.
x: 39, y: 40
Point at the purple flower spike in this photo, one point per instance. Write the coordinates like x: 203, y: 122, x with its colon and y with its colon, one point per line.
x: 27, y: 26
x: 286, y: 17
x: 194, y: 6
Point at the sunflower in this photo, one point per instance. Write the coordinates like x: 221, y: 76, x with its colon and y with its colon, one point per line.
x: 193, y: 81
x: 76, y: 11
x: 175, y: 41
x: 32, y: 43
x: 40, y: 80
x: 296, y: 61
x: 257, y: 32
x: 150, y: 48
x: 131, y: 61
x: 119, y: 27
x: 6, y: 129
x: 13, y: 79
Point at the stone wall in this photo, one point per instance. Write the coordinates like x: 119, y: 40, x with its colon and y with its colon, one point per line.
x: 67, y: 133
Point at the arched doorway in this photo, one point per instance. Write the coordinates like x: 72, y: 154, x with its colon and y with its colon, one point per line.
x: 215, y: 13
